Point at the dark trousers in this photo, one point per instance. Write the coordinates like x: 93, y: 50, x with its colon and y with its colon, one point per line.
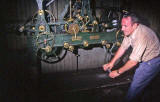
x: 142, y: 77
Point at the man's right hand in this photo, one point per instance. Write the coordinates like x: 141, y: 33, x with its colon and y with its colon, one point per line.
x: 107, y: 66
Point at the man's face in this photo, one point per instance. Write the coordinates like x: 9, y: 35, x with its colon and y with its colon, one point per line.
x: 127, y: 26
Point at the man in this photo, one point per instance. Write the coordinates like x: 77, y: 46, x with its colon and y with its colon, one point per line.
x: 146, y: 53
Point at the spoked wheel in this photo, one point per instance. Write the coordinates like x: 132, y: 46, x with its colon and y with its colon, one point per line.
x: 55, y: 56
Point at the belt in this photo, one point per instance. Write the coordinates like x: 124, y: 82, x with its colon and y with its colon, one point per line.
x: 157, y: 56
x: 151, y: 59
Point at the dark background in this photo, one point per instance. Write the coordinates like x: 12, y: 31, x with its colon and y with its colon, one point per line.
x: 19, y: 81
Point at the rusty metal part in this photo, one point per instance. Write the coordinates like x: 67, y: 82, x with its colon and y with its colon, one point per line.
x: 108, y: 46
x: 40, y: 12
x: 118, y: 43
x: 66, y: 45
x: 33, y: 28
x: 95, y: 22
x: 73, y: 29
x: 103, y: 42
x: 85, y: 43
x: 42, y: 28
x: 79, y: 17
x: 47, y: 49
x: 71, y: 48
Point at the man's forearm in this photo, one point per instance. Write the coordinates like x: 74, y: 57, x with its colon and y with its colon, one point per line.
x: 130, y: 64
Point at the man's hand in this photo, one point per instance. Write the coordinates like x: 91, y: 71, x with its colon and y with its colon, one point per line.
x: 107, y: 66
x: 114, y: 74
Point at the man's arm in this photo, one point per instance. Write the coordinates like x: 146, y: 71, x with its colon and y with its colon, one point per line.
x: 118, y: 54
x: 130, y: 64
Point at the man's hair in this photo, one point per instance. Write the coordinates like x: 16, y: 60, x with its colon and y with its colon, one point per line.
x: 134, y: 17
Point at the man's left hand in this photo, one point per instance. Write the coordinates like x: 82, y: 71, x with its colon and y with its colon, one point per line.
x: 114, y: 74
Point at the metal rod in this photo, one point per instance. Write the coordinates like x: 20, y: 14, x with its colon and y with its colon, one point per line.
x: 70, y: 9
x: 77, y: 62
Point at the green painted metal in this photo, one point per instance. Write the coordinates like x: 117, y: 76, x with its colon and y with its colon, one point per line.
x: 60, y: 39
x: 49, y: 36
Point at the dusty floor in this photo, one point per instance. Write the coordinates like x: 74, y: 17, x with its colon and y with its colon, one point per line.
x: 84, y: 86
x: 18, y: 85
x: 91, y: 86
